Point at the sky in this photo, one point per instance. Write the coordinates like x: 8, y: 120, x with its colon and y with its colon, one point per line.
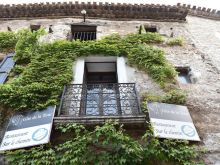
x: 213, y: 4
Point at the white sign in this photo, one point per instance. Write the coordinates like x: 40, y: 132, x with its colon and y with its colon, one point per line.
x: 28, y: 129
x: 172, y: 121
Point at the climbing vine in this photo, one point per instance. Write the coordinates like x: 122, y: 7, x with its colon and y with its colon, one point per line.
x: 153, y: 61
x: 26, y: 45
x: 178, y: 41
x: 174, y: 96
x: 106, y: 145
x: 45, y: 68
x: 41, y: 71
x: 8, y: 41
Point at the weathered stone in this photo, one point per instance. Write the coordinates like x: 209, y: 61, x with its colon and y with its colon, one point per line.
x: 59, y: 32
x: 212, y: 141
x: 218, y: 162
x: 202, y: 12
x: 203, y: 96
x: 105, y: 10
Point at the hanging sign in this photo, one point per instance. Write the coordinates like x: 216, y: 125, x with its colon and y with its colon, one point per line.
x: 172, y: 121
x: 28, y: 129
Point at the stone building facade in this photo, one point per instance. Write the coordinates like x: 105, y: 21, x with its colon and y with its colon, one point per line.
x: 200, y: 52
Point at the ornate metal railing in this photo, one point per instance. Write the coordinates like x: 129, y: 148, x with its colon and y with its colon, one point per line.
x: 99, y: 100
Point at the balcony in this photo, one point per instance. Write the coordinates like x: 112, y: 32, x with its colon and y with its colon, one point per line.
x: 95, y: 103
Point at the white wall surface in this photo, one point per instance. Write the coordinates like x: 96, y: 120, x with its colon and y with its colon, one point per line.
x: 121, y: 70
x: 78, y: 67
x: 78, y: 70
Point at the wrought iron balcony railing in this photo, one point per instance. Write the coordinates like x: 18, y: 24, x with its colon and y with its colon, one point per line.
x: 84, y: 36
x: 119, y: 99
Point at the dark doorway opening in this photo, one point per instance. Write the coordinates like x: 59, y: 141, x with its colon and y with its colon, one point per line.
x: 101, y: 91
x: 152, y: 29
x: 83, y: 32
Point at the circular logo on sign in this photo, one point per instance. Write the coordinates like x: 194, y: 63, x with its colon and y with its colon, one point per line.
x: 39, y: 134
x: 188, y: 130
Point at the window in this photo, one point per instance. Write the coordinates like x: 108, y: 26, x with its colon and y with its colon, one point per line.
x: 101, y: 92
x: 100, y: 89
x: 83, y: 32
x: 151, y: 28
x: 184, y: 75
x: 34, y: 27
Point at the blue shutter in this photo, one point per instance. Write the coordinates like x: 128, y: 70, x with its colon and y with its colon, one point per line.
x: 5, y: 67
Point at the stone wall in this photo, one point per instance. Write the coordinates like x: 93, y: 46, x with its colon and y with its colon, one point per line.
x: 200, y: 52
x: 201, y: 11
x: 100, y: 10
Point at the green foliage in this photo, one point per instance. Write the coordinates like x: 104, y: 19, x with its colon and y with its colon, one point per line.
x: 18, y: 69
x: 112, y: 39
x: 8, y: 40
x: 42, y: 80
x: 105, y: 145
x: 147, y: 37
x: 175, y: 96
x: 153, y: 61
x: 42, y: 155
x: 176, y: 41
x: 26, y: 44
x: 40, y: 83
x: 168, y: 150
x: 44, y: 69
x: 141, y: 29
x: 5, y: 112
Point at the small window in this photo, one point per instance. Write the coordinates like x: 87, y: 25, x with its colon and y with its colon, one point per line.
x: 35, y: 27
x: 151, y: 28
x: 83, y: 32
x: 184, y: 75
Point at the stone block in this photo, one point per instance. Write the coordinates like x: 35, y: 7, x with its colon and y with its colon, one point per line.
x: 213, y: 11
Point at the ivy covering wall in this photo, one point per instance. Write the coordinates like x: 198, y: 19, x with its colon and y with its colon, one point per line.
x: 44, y: 69
x: 37, y: 81
x: 107, y: 145
x: 8, y: 41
